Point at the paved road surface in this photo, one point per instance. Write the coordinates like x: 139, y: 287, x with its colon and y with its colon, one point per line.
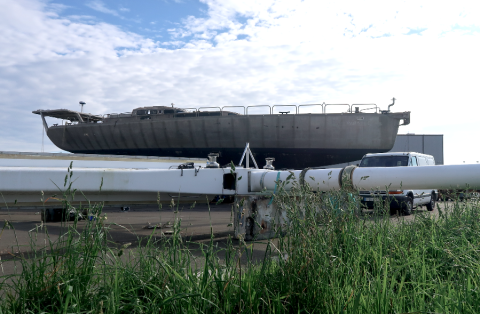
x: 197, y: 224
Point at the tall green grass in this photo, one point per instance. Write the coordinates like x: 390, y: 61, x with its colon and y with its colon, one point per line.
x: 333, y: 259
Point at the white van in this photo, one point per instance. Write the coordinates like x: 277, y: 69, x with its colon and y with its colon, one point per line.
x: 405, y: 199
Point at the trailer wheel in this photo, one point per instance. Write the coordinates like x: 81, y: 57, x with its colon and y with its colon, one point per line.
x: 431, y: 205
x: 408, y: 206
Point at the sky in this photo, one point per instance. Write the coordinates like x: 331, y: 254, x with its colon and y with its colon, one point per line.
x: 119, y: 55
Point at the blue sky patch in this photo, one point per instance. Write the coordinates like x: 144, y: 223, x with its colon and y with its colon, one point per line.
x: 416, y: 31
x: 151, y: 19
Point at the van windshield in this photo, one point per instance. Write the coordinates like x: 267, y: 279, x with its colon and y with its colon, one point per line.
x: 384, y: 161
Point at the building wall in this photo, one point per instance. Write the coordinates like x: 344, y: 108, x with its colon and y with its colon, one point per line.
x: 431, y: 144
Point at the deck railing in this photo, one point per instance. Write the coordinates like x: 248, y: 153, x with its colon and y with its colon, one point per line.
x: 298, y: 109
x: 247, y: 110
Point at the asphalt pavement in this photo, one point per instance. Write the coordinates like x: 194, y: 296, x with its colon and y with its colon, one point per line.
x: 22, y: 229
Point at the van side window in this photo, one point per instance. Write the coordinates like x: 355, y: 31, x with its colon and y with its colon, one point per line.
x: 422, y: 161
x: 414, y: 161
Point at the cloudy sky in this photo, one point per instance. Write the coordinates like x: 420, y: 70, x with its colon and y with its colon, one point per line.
x: 118, y: 55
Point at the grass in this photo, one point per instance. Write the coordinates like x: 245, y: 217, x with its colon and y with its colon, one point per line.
x: 332, y: 260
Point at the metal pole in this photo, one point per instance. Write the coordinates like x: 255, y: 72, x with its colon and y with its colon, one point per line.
x: 243, y: 155
x: 253, y: 158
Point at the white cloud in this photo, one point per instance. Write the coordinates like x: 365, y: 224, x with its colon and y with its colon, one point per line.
x: 287, y: 21
x: 99, y: 6
x: 30, y: 36
x: 295, y: 52
x: 57, y: 7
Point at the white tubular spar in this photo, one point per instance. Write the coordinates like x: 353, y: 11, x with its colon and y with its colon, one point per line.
x: 25, y: 179
x: 318, y: 179
x: 31, y: 186
x: 395, y: 178
x: 427, y: 177
x: 25, y: 184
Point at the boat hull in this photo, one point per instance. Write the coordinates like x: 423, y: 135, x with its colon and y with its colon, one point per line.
x: 287, y: 158
x: 295, y: 141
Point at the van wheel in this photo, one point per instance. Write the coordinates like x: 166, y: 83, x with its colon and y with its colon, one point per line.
x: 431, y: 206
x: 408, y: 206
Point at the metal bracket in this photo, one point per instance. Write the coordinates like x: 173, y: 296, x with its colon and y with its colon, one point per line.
x: 45, y: 125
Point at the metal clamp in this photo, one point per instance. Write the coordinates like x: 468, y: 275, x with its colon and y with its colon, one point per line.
x: 345, y: 178
x: 262, y: 180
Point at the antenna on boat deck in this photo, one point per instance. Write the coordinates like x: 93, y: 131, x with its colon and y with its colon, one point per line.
x: 388, y: 110
x: 82, y: 103
x: 393, y: 103
x: 247, y: 153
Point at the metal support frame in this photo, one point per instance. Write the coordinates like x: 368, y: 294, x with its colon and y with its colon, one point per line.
x: 256, y: 218
x: 80, y: 119
x: 246, y: 154
x: 45, y: 125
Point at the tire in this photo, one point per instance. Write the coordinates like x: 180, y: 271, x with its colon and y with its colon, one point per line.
x: 407, y: 206
x: 431, y: 205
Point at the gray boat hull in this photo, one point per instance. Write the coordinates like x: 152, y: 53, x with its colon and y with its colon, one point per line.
x: 295, y: 141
